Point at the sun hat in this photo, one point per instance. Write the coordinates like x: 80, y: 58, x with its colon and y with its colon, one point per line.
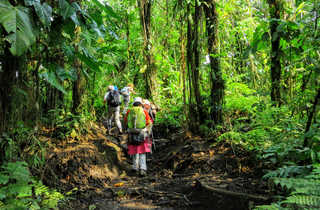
x: 146, y: 102
x: 137, y: 100
x: 110, y: 87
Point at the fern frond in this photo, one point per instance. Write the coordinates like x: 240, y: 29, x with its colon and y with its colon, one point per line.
x: 308, y: 190
x: 297, y: 183
x: 304, y: 200
x: 273, y: 206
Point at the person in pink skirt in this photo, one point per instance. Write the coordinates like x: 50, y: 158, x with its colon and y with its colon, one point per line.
x: 138, y: 151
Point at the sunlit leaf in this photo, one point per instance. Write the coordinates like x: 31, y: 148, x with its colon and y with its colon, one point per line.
x: 106, y: 8
x: 300, y: 8
x: 143, y: 69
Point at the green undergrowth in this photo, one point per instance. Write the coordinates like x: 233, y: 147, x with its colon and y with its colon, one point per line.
x: 69, y: 125
x: 20, y: 190
x: 23, y: 153
x: 276, y: 135
x: 304, y: 191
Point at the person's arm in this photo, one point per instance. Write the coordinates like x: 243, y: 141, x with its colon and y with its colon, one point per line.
x: 125, y: 120
x: 105, y: 97
x: 148, y: 121
x: 132, y: 91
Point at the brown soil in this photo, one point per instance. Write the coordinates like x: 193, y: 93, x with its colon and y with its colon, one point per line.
x: 184, y: 172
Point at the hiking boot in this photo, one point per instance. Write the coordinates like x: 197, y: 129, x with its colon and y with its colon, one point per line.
x: 143, y: 172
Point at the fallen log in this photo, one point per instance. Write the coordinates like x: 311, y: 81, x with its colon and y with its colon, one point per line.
x: 231, y: 193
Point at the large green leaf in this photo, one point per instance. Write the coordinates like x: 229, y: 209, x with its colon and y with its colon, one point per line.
x: 4, y: 179
x: 17, y: 23
x: 18, y: 170
x: 51, y: 78
x: 93, y: 65
x: 64, y: 74
x: 65, y: 9
x: 106, y: 8
x: 31, y: 2
x: 44, y: 13
x: 8, y: 16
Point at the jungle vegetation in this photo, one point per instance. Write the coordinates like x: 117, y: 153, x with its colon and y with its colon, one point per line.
x: 242, y: 71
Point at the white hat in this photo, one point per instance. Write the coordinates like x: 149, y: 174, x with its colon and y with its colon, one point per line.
x: 138, y: 99
x: 146, y: 102
x: 110, y: 87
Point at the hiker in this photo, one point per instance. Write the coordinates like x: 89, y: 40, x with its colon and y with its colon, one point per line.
x: 112, y: 98
x: 138, y: 122
x: 125, y: 92
x: 148, y: 108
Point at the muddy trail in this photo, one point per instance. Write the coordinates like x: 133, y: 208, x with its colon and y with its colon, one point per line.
x: 184, y: 172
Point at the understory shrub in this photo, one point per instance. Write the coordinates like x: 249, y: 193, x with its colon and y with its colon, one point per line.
x: 19, y: 190
x: 304, y: 193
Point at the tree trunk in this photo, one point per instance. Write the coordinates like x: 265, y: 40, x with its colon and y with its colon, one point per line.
x: 217, y: 82
x: 150, y: 73
x: 196, y: 113
x: 79, y: 84
x: 274, y: 9
x: 77, y: 88
x: 196, y: 67
x: 311, y: 115
x: 183, y: 66
x: 128, y: 40
x: 8, y: 78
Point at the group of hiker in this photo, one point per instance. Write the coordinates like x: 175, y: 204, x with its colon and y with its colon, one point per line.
x: 137, y: 123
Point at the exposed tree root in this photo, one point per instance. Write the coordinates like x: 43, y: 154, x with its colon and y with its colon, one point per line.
x: 231, y: 193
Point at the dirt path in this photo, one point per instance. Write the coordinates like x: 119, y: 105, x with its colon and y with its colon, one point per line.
x: 183, y: 173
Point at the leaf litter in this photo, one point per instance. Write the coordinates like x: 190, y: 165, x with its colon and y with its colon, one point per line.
x: 183, y: 173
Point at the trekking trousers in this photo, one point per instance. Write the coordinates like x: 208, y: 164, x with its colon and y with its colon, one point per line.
x: 114, y: 113
x: 126, y: 100
x: 140, y: 161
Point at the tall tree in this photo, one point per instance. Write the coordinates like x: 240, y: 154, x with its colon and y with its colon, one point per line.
x: 217, y: 82
x: 15, y: 21
x: 150, y: 73
x: 312, y: 114
x: 196, y: 114
x: 78, y: 84
x: 275, y: 11
x: 10, y: 68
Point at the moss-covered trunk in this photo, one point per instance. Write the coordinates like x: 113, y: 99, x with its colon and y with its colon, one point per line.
x: 217, y: 82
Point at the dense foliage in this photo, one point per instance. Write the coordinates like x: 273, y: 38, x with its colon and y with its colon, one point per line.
x: 243, y: 71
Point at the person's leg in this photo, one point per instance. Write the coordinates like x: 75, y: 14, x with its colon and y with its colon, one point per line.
x: 135, y: 162
x: 126, y: 100
x: 117, y: 118
x: 109, y: 118
x: 143, y: 164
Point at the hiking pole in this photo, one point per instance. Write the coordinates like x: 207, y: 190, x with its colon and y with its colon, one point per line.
x: 153, y: 140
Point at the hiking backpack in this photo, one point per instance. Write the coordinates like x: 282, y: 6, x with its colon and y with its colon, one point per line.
x: 136, y: 123
x: 114, y: 98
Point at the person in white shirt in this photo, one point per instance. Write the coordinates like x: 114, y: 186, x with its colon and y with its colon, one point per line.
x: 112, y: 98
x: 125, y: 92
